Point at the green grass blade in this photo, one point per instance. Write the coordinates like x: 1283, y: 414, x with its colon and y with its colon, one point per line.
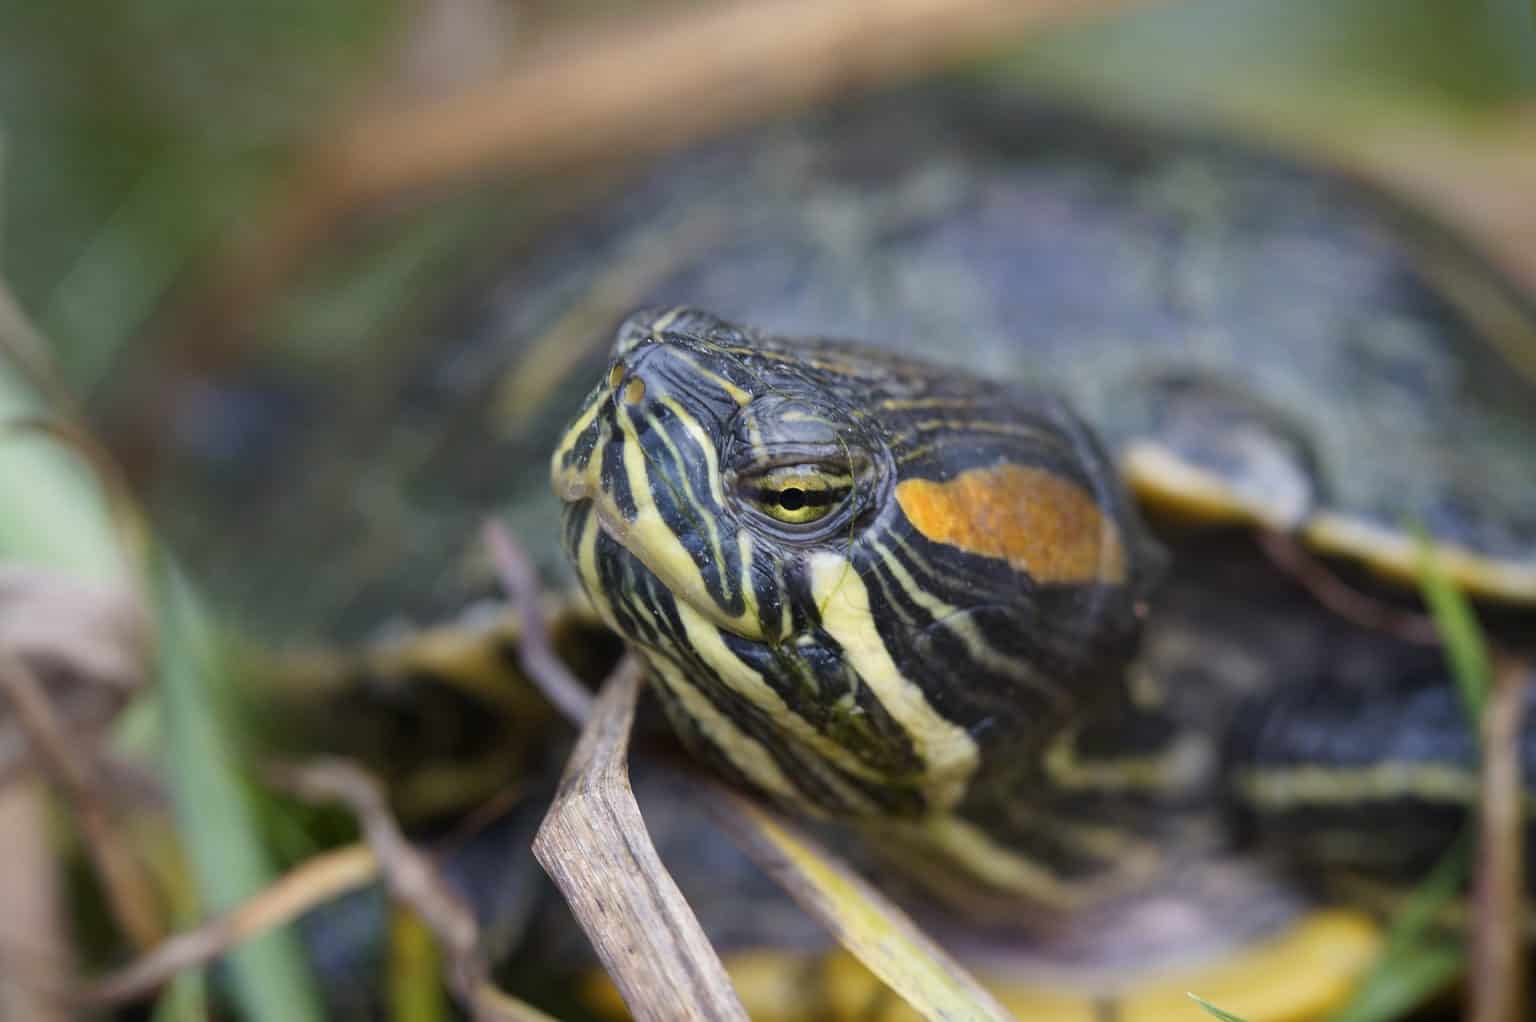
x: 1403, y: 983
x: 1419, y: 911
x: 1465, y: 651
x: 1411, y: 970
x: 416, y: 991
x: 1224, y: 1016
x: 215, y: 813
x: 185, y: 999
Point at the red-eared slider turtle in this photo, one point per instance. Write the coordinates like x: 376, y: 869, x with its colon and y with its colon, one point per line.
x: 871, y: 520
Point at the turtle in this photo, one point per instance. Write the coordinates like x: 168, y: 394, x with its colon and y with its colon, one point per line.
x: 920, y: 449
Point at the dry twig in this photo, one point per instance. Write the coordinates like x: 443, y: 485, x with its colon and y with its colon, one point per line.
x: 413, y: 879
x: 1343, y: 599
x: 594, y: 844
x: 1496, y: 984
x: 31, y: 911
x: 322, y: 878
x: 128, y: 886
x: 87, y: 640
x: 535, y: 652
x: 863, y: 920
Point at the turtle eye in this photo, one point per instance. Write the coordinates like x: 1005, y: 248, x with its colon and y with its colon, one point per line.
x: 797, y: 494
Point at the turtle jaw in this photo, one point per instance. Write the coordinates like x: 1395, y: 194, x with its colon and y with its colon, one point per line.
x: 644, y: 493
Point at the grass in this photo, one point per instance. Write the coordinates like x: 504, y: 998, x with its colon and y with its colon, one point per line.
x: 215, y: 807
x: 1213, y: 1011
x: 1415, y: 963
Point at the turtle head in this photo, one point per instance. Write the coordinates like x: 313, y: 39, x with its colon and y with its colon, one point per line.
x: 850, y: 574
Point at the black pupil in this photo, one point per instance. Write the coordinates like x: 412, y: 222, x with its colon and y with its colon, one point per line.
x: 792, y: 498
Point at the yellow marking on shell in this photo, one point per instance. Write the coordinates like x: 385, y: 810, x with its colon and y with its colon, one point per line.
x: 1162, y: 479
x: 1304, y: 973
x: 948, y: 753
x: 1281, y: 788
x: 1032, y: 518
x: 1187, y: 759
x: 1396, y: 555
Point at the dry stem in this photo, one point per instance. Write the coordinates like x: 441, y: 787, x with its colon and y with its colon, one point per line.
x: 535, y: 652
x: 1496, y: 984
x: 125, y: 880
x: 594, y: 844
x: 319, y: 880
x: 31, y: 911
x: 1343, y: 599
x: 413, y: 879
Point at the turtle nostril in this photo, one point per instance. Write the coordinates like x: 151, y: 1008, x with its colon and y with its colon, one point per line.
x: 634, y: 391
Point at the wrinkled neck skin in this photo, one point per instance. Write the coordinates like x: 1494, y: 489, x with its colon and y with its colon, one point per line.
x: 868, y: 588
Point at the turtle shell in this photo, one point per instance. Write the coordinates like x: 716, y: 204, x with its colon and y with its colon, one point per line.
x: 1255, y: 339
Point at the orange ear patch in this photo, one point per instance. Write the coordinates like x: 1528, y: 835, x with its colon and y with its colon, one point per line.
x: 1030, y: 517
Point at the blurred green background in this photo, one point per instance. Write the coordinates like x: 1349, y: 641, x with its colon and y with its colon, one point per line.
x: 137, y: 135
x: 141, y: 143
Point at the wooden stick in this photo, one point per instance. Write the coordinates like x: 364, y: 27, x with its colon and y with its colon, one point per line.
x: 125, y: 880
x: 32, y: 910
x: 878, y: 932
x: 412, y: 879
x: 594, y: 844
x: 1496, y: 980
x: 307, y: 885
x: 535, y: 653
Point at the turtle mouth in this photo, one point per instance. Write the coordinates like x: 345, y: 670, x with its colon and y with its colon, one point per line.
x: 617, y: 503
